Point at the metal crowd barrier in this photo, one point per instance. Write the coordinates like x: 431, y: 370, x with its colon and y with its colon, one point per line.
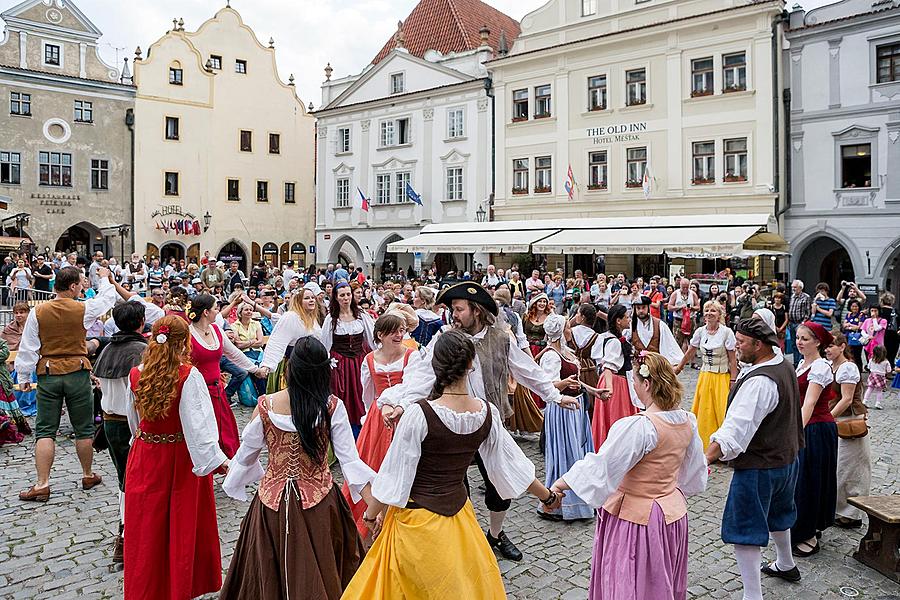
x: 9, y: 297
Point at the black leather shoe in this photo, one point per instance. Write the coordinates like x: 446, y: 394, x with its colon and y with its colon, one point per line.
x: 792, y: 575
x: 502, y: 543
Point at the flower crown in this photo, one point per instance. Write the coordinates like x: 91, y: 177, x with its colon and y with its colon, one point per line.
x: 162, y: 335
x: 190, y: 313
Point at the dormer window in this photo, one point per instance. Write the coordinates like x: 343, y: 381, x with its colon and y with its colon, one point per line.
x: 52, y: 55
x: 398, y: 83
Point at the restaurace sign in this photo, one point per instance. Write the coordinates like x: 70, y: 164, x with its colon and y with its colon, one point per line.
x: 621, y: 132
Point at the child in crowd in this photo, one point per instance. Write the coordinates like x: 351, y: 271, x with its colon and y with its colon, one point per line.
x: 879, y: 367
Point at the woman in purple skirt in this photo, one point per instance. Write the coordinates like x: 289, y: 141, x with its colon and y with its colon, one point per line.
x: 348, y: 335
x: 637, y: 481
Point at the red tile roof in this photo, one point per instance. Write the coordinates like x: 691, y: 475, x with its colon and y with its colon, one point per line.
x: 451, y: 26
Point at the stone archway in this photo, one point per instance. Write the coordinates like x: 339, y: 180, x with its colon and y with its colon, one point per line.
x: 82, y: 238
x: 233, y: 250
x: 346, y: 250
x: 390, y: 262
x: 825, y: 259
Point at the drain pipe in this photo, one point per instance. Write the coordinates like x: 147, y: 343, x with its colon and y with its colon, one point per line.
x: 129, y: 122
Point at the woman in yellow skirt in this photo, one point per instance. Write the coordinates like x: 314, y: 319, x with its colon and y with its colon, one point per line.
x: 430, y: 544
x: 714, y: 343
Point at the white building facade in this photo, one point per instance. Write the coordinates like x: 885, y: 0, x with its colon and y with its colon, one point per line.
x: 663, y: 107
x: 843, y: 220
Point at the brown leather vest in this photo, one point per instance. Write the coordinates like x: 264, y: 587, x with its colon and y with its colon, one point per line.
x: 655, y: 477
x: 780, y: 435
x: 62, y: 334
x: 439, y: 484
x: 588, y: 372
x: 290, y: 465
x: 653, y: 346
x: 856, y: 405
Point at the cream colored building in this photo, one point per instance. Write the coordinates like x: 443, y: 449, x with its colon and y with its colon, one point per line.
x: 224, y: 149
x: 660, y: 107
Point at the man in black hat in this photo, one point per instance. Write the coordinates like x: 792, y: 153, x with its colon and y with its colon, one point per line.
x: 648, y: 333
x: 497, y: 356
x: 761, y: 437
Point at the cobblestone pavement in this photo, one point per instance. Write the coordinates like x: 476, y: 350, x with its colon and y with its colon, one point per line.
x: 62, y: 549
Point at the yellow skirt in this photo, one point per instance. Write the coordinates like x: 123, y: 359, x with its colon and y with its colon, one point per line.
x: 710, y: 402
x: 423, y: 555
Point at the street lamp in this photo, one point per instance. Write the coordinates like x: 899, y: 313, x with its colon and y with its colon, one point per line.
x: 207, y: 218
x: 480, y: 213
x: 371, y: 254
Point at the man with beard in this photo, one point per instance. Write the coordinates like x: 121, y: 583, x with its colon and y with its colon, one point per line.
x: 761, y: 438
x: 497, y: 356
x: 648, y: 333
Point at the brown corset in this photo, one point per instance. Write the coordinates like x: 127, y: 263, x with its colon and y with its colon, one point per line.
x: 439, y: 485
x: 288, y: 462
x: 351, y: 345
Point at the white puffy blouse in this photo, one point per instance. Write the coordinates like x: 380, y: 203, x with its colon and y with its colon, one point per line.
x: 508, y: 468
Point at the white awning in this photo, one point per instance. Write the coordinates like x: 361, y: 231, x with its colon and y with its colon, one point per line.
x: 719, y: 241
x: 471, y: 241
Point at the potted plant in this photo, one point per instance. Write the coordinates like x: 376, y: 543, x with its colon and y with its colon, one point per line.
x: 702, y: 180
x: 597, y: 186
x: 633, y: 183
x: 699, y: 93
x: 736, y: 87
x: 732, y: 178
x: 519, y: 191
x: 542, y: 190
x: 519, y: 119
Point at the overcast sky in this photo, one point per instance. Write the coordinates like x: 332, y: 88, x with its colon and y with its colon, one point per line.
x: 307, y: 33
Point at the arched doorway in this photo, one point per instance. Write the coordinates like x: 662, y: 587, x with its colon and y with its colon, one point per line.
x: 825, y: 259
x: 233, y: 251
x: 270, y: 254
x: 298, y: 255
x: 171, y: 250
x: 346, y: 250
x: 82, y: 238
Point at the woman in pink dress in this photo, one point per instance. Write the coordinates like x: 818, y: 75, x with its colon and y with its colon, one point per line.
x: 208, y: 345
x: 873, y: 330
x: 347, y: 334
x: 638, y: 481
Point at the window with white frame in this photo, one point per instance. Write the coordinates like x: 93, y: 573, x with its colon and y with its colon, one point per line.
x: 701, y: 77
x: 520, y: 176
x: 856, y: 166
x: 343, y: 139
x: 84, y: 111
x: 704, y: 163
x: 10, y: 167
x: 588, y: 8
x: 597, y: 167
x: 99, y: 174
x: 398, y: 83
x: 543, y: 174
x: 597, y: 92
x: 52, y: 55
x: 636, y: 87
x: 736, y: 159
x: 635, y: 166
x: 401, y: 180
x: 383, y: 188
x: 454, y: 183
x: 456, y: 123
x: 20, y: 104
x: 734, y: 72
x: 342, y: 193
x: 541, y: 101
x: 395, y: 132
x: 55, y: 169
x: 520, y: 105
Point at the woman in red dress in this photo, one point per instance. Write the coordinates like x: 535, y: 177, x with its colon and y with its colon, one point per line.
x: 381, y: 369
x: 173, y: 538
x: 347, y: 334
x: 208, y: 345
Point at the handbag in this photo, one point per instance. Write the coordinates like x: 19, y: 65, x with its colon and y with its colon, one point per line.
x: 854, y: 338
x: 853, y: 428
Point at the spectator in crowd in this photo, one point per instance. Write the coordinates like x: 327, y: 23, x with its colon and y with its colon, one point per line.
x: 799, y: 311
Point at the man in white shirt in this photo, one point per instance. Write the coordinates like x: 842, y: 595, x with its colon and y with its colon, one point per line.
x: 649, y: 333
x: 761, y: 438
x: 534, y: 285
x: 289, y: 272
x: 497, y: 356
x: 491, y: 279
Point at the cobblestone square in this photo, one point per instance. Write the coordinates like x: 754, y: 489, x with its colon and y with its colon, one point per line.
x: 62, y: 549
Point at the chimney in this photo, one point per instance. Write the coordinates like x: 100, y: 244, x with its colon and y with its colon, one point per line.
x: 797, y: 17
x: 503, y: 48
x: 485, y: 33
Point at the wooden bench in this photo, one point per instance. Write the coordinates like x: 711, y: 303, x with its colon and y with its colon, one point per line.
x: 880, y: 547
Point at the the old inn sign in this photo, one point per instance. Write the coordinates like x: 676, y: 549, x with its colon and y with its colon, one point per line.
x: 621, y: 132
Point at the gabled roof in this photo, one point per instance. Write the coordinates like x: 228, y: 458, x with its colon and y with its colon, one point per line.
x: 18, y: 15
x: 451, y: 26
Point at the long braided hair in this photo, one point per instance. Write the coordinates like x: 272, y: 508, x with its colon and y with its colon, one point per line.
x: 454, y: 352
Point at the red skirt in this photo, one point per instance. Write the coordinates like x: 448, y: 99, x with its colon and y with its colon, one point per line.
x: 173, y: 538
x: 608, y: 412
x: 372, y: 444
x: 225, y: 421
x: 346, y: 385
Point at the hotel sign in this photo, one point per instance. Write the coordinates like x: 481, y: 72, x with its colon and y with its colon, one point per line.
x: 620, y: 132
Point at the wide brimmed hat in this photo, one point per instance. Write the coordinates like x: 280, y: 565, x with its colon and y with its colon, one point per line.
x: 757, y: 329
x: 644, y: 301
x: 468, y: 290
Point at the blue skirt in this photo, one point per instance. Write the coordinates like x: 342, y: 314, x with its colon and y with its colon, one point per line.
x: 567, y: 439
x: 816, y: 492
x: 27, y: 400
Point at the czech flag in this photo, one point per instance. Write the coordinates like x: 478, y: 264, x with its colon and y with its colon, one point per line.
x: 365, y: 201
